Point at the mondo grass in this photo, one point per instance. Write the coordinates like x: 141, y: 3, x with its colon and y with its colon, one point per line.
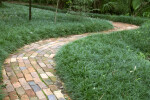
x: 16, y: 30
x: 112, y: 66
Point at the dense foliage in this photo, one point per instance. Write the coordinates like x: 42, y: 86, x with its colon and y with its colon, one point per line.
x: 108, y: 67
x: 126, y: 7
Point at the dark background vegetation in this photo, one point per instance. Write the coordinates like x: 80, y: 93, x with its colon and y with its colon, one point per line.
x: 123, y: 7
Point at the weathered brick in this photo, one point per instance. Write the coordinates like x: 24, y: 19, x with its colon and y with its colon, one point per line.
x: 30, y: 93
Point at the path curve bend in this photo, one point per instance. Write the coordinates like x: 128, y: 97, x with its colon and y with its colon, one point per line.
x: 29, y: 73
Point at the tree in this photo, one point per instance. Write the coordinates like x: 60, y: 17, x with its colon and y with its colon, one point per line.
x: 30, y: 16
x: 56, y: 11
x: 0, y: 2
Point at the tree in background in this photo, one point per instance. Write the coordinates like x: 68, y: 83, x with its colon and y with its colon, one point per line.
x: 0, y: 2
x: 30, y: 16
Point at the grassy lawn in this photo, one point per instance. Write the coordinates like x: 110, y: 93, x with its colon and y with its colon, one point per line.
x: 16, y: 30
x: 108, y: 67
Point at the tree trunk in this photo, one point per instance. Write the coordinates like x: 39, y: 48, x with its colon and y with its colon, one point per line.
x: 56, y: 11
x: 0, y: 2
x: 30, y: 16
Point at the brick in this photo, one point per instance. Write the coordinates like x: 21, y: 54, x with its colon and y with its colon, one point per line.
x: 37, y: 80
x: 30, y: 93
x: 8, y: 69
x: 49, y: 74
x: 40, y: 71
x: 21, y: 64
x: 13, y: 60
x: 42, y: 64
x: 20, y: 91
x: 24, y: 97
x: 22, y: 68
x: 52, y: 97
x: 33, y: 98
x: 52, y: 55
x: 6, y: 98
x: 25, y: 71
x: 19, y: 75
x: 31, y: 69
x: 46, y: 69
x: 48, y: 81
x: 44, y: 76
x: 24, y: 84
x: 17, y: 85
x: 42, y: 85
x: 13, y: 95
x: 13, y: 79
x: 35, y: 88
x: 9, y: 86
x: 28, y: 77
x: 40, y: 95
x: 58, y: 94
x: 54, y: 79
x: 53, y: 88
x: 34, y: 75
x: 32, y: 83
x: 47, y: 91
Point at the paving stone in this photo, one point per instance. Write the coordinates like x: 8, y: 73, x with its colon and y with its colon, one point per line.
x: 52, y: 97
x: 42, y: 64
x: 40, y: 95
x: 35, y: 88
x: 17, y: 85
x: 48, y: 81
x: 34, y: 75
x: 47, y: 91
x: 24, y: 84
x: 49, y: 74
x: 13, y: 59
x: 37, y: 80
x: 13, y: 95
x: 24, y: 97
x: 30, y: 93
x: 42, y: 85
x: 22, y: 68
x: 32, y: 83
x: 54, y: 79
x: 19, y: 75
x: 58, y: 94
x: 8, y: 69
x: 40, y: 71
x: 25, y: 71
x: 46, y: 69
x: 6, y: 98
x: 28, y: 77
x: 9, y: 86
x: 21, y: 64
x: 53, y: 88
x: 44, y: 76
x: 33, y: 98
x: 31, y: 69
x: 52, y: 55
x: 62, y: 99
x: 20, y: 91
x: 13, y: 79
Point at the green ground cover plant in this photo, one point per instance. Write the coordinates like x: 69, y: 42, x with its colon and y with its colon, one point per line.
x: 16, y: 30
x: 112, y: 66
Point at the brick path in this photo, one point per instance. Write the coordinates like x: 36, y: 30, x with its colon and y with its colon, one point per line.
x: 29, y: 73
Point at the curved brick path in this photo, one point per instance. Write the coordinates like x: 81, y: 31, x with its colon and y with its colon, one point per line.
x: 29, y: 73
